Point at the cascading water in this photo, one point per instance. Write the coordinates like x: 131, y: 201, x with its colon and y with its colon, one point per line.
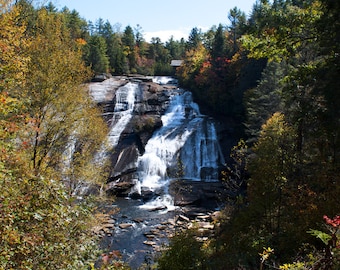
x: 201, y: 153
x: 186, y: 146
x: 124, y: 105
x: 125, y: 101
x: 164, y: 80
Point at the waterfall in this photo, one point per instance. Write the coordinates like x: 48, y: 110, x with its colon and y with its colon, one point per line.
x: 164, y: 80
x: 123, y: 111
x: 186, y: 147
x: 161, y: 149
x: 201, y: 153
x: 125, y: 101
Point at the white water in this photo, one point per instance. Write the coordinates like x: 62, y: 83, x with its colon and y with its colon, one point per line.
x: 164, y: 80
x: 186, y: 145
x: 125, y: 101
x: 162, y: 148
x: 165, y: 201
x: 201, y: 153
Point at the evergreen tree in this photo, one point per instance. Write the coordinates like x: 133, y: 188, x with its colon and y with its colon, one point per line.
x: 115, y: 51
x: 264, y: 100
x: 195, y: 38
x: 129, y: 44
x: 238, y: 21
x: 218, y: 49
x: 96, y: 55
x: 175, y: 48
x: 75, y: 24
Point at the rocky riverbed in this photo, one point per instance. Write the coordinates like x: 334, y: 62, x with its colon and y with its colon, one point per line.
x: 139, y: 235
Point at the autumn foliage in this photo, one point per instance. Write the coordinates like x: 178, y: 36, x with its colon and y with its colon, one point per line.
x: 41, y: 102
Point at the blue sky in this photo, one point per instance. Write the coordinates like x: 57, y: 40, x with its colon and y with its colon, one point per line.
x: 158, y: 18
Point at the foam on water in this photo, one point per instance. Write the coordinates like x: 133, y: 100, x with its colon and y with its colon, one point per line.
x: 123, y: 111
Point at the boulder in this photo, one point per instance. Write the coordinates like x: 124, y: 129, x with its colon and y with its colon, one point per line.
x: 119, y: 188
x: 149, y: 243
x: 208, y: 195
x: 125, y: 225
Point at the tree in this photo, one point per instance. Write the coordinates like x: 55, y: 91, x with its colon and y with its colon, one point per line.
x: 282, y: 33
x: 192, y: 63
x: 117, y: 57
x: 176, y: 48
x: 264, y: 100
x: 194, y: 39
x: 59, y: 107
x: 13, y: 43
x: 40, y: 225
x: 270, y: 171
x: 290, y: 32
x: 139, y: 35
x: 218, y: 49
x: 129, y: 44
x: 76, y: 25
x: 185, y: 252
x: 96, y: 55
x: 50, y: 7
x: 238, y: 20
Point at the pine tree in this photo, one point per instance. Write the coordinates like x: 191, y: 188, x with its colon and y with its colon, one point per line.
x: 129, y: 44
x: 96, y: 55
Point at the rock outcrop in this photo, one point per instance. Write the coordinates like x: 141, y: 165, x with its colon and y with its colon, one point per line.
x: 151, y: 102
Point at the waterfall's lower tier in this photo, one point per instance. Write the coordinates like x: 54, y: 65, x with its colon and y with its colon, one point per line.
x: 186, y: 146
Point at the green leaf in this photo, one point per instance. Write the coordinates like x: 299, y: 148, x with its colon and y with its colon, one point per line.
x: 324, y: 237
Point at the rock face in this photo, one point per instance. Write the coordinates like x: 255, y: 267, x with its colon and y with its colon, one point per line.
x: 151, y: 101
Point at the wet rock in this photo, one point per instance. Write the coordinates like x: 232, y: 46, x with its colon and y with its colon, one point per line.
x: 201, y: 232
x: 125, y: 225
x: 203, y: 217
x: 161, y: 227
x: 119, y: 188
x: 149, y: 236
x: 109, y: 225
x: 151, y: 102
x: 206, y: 225
x: 100, y: 77
x: 208, y: 195
x: 183, y: 218
x: 215, y: 216
x: 139, y: 78
x: 147, y: 194
x: 96, y: 229
x: 149, y: 243
x: 158, y: 208
x: 138, y: 220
